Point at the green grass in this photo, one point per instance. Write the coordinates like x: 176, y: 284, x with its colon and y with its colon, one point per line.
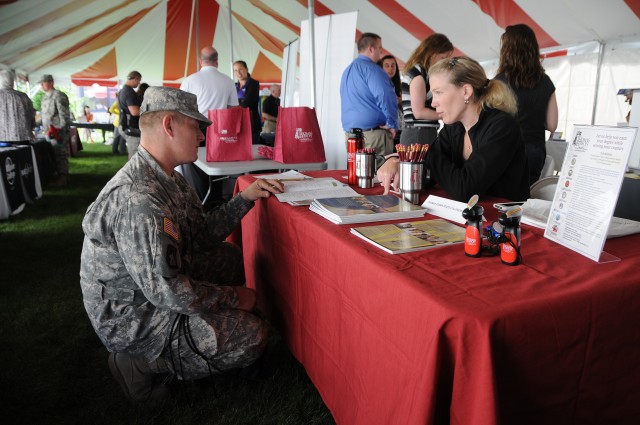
x: 54, y: 368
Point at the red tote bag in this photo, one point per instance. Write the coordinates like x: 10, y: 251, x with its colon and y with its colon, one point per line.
x: 298, y: 138
x: 229, y: 135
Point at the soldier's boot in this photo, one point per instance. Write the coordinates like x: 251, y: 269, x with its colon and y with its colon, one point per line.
x: 59, y: 181
x: 141, y: 381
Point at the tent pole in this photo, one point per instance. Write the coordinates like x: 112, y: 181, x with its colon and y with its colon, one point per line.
x: 312, y: 14
x: 595, y: 97
x: 197, y: 55
x: 186, y: 60
x: 230, y: 35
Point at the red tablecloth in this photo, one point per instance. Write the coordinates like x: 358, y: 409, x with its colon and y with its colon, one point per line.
x: 437, y: 337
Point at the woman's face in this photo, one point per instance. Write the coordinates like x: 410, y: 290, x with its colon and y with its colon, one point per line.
x: 448, y: 99
x: 240, y: 71
x: 390, y: 67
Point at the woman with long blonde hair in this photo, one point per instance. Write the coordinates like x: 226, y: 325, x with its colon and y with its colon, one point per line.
x: 480, y: 149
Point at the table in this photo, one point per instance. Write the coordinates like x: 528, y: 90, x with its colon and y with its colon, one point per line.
x: 19, y: 181
x: 104, y: 127
x: 259, y: 163
x: 434, y: 337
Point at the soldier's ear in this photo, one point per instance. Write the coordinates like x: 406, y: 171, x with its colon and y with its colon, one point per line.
x: 167, y: 124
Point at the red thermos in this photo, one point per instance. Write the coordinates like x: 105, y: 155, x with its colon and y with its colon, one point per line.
x: 354, y: 142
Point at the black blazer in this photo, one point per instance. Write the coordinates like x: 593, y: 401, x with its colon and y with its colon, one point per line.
x: 252, y: 100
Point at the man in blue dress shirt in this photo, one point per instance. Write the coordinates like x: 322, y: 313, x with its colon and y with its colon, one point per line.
x: 368, y: 98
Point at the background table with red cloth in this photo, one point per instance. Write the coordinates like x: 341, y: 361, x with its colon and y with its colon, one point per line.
x: 438, y: 337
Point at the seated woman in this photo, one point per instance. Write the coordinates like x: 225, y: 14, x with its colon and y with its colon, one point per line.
x: 480, y: 149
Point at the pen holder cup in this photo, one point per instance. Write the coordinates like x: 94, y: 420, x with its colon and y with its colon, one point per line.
x: 411, y: 181
x: 365, y: 169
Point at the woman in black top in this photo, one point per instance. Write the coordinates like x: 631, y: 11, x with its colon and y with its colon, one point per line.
x: 390, y: 66
x: 480, y: 149
x: 520, y: 67
x: 248, y: 96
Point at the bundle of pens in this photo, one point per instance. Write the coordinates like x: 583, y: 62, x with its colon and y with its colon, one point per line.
x: 366, y: 150
x: 412, y: 153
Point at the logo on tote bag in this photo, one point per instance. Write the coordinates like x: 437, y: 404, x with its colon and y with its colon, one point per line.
x: 227, y: 139
x: 303, y: 136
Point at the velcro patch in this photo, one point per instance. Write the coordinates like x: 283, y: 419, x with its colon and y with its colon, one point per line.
x: 170, y: 229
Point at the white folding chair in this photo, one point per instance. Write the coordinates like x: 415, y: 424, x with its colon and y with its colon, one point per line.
x: 548, y: 168
x: 544, y: 188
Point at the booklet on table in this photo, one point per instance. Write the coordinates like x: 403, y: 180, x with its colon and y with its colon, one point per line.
x: 301, y: 190
x: 361, y: 209
x: 399, y: 238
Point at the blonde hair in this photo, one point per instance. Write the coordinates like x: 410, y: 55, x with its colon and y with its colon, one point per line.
x: 494, y: 93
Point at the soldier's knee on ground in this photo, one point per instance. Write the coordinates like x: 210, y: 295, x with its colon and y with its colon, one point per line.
x: 141, y: 382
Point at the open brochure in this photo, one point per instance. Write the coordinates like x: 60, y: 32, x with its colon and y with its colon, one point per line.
x: 361, y: 209
x: 301, y: 190
x: 413, y: 236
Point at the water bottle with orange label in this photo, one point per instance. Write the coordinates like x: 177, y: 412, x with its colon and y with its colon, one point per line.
x: 510, y: 247
x: 473, y: 234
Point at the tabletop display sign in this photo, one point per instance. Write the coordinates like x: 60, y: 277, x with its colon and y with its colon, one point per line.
x: 588, y: 188
x: 229, y: 135
x: 298, y: 137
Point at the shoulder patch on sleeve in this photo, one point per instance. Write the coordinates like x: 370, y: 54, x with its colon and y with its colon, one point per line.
x: 170, y: 228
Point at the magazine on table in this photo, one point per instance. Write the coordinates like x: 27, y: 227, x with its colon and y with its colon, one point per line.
x: 361, y: 209
x: 399, y: 238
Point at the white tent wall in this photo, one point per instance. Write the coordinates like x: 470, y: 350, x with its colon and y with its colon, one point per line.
x: 334, y: 35
x: 290, y: 78
x: 575, y: 78
x: 620, y: 70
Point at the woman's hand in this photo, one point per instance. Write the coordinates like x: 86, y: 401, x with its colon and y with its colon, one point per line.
x: 388, y: 174
x: 262, y: 188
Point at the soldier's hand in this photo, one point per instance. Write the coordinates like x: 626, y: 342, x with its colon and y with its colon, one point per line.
x: 247, y: 298
x: 262, y: 188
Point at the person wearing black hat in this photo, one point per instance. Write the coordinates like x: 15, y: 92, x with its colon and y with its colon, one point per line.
x: 129, y: 103
x: 56, y: 121
x: 162, y: 288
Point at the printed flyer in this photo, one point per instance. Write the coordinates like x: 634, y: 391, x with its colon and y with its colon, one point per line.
x: 588, y: 187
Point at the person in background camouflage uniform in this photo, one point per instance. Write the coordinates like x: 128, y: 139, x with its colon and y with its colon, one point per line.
x: 17, y: 117
x: 161, y: 287
x: 55, y: 111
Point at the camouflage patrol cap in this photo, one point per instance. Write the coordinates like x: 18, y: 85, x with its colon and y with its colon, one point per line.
x: 46, y: 78
x: 170, y: 99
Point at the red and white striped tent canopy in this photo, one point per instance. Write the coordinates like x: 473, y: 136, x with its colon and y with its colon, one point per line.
x: 97, y: 41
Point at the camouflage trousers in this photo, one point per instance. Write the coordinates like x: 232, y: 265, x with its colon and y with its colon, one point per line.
x: 60, y: 152
x: 221, y: 340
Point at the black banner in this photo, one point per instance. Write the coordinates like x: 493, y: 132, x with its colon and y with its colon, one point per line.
x: 10, y: 175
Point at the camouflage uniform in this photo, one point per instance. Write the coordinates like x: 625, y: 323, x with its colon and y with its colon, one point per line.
x: 152, y: 266
x: 55, y: 110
